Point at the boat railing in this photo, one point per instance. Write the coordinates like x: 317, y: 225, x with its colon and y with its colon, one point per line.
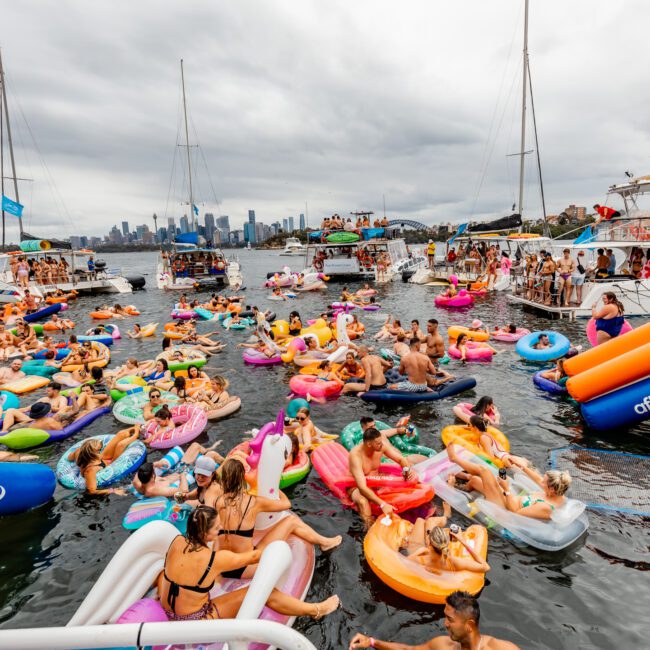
x: 627, y: 230
x: 140, y: 635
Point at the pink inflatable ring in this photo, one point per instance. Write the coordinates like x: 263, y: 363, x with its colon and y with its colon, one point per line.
x: 190, y: 420
x: 462, y: 299
x: 301, y: 385
x: 507, y: 337
x: 474, y: 352
x: 592, y: 335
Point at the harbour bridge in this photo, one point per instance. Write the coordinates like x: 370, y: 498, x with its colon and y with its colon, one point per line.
x: 409, y: 223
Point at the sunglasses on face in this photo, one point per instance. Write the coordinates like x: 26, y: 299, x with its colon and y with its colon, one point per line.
x: 302, y: 419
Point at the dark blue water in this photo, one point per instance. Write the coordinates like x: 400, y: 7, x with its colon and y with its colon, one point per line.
x: 591, y: 595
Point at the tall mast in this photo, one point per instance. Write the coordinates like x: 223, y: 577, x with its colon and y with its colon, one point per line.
x: 522, y: 153
x: 2, y: 150
x: 11, y: 148
x: 187, y: 145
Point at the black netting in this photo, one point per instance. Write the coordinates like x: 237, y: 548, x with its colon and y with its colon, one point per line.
x: 607, y: 480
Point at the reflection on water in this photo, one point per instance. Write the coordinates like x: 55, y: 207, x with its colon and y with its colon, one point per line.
x: 584, y: 596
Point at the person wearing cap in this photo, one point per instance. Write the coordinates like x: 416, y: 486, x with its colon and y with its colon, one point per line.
x: 207, y: 489
x: 578, y: 278
x: 477, y: 326
x: 12, y: 372
x: 38, y: 416
x: 431, y: 253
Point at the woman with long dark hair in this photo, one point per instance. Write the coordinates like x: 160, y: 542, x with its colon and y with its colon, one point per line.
x: 609, y: 319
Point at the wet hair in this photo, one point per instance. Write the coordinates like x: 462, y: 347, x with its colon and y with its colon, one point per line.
x: 73, y: 339
x: 198, y: 372
x: 416, y: 321
x: 465, y: 604
x: 166, y: 343
x: 415, y: 343
x: 558, y: 481
x: 200, y: 521
x: 54, y: 385
x: 478, y: 422
x: 88, y: 453
x: 233, y: 479
x: 512, y: 328
x: 483, y: 405
x: 323, y: 364
x: 366, y: 419
x: 97, y: 373
x: 163, y: 413
x: 145, y: 472
x: 371, y: 434
x: 432, y: 321
x: 295, y: 444
x: 50, y: 354
x: 461, y: 339
x: 179, y: 383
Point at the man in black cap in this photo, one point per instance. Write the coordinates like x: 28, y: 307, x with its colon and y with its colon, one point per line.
x: 37, y: 417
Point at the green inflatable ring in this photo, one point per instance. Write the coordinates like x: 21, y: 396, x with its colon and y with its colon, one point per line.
x: 342, y: 237
x: 352, y: 436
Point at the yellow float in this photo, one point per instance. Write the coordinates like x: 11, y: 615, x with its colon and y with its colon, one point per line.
x: 456, y: 330
x: 411, y: 579
x: 469, y: 438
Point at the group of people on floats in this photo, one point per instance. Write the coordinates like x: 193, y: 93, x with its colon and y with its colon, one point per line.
x: 336, y: 222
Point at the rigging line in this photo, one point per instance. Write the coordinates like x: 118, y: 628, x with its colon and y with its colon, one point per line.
x: 539, y: 162
x: 172, y: 176
x: 205, y: 164
x: 484, y: 162
x: 495, y: 141
x: 56, y: 195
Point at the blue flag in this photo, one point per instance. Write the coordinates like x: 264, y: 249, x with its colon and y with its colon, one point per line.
x: 12, y: 207
x: 460, y: 231
x: 585, y: 237
x: 196, y: 210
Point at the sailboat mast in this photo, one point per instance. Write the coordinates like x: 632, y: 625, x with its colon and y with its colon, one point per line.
x: 187, y: 146
x: 522, y: 155
x: 2, y: 150
x: 11, y: 147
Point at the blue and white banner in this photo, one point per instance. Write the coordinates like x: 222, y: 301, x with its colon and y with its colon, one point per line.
x: 12, y: 207
x: 585, y: 237
x: 196, y: 210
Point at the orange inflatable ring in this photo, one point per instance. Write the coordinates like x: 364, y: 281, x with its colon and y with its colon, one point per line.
x: 50, y: 326
x: 101, y: 314
x: 410, y: 578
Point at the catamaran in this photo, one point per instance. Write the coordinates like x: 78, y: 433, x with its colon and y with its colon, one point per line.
x: 190, y: 262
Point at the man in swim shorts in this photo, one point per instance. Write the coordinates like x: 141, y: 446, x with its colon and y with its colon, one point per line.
x: 435, y: 344
x: 566, y: 265
x: 364, y: 459
x: 374, y: 368
x: 462, y: 615
x: 415, y: 365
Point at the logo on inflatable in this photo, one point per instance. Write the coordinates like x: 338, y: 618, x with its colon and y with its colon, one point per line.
x: 643, y: 407
x: 2, y: 492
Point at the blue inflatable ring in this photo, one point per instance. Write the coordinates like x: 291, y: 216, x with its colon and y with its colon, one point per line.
x: 559, y: 346
x: 548, y: 385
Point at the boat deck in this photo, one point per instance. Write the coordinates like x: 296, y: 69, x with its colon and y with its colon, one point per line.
x: 551, y: 311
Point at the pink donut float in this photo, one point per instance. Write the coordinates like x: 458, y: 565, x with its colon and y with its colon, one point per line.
x: 302, y: 384
x: 256, y: 358
x: 464, y: 411
x: 592, y: 335
x: 474, y: 352
x: 462, y: 299
x: 183, y: 314
x: 190, y: 420
x: 506, y: 337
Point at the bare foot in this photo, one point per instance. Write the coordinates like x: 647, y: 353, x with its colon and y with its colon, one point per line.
x: 446, y: 509
x: 332, y: 542
x: 326, y: 607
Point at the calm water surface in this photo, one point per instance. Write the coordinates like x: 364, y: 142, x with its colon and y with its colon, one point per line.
x: 591, y: 595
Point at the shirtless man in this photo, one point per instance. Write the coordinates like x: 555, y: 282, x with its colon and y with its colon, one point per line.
x: 435, y: 344
x: 366, y: 458
x: 566, y: 266
x: 88, y: 401
x: 374, y: 368
x: 12, y: 373
x: 39, y: 416
x: 367, y: 422
x: 462, y: 616
x: 147, y: 483
x: 29, y: 301
x: 415, y: 332
x: 415, y: 365
x: 547, y: 272
x: 58, y: 408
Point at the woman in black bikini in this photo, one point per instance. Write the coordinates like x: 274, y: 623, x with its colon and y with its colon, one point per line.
x: 237, y: 511
x: 192, y: 569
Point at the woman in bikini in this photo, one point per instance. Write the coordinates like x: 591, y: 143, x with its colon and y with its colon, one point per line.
x: 192, y: 569
x: 537, y: 505
x: 351, y: 369
x: 237, y: 511
x: 90, y: 457
x: 215, y: 395
x: 161, y: 377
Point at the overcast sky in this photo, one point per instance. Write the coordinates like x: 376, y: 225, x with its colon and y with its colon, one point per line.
x: 331, y: 103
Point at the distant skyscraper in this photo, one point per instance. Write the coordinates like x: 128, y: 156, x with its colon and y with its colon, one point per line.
x: 125, y: 228
x: 185, y: 225
x: 171, y: 228
x: 162, y: 234
x: 251, y: 230
x: 302, y: 221
x: 140, y: 230
x: 247, y: 233
x: 223, y: 222
x: 276, y: 227
x: 259, y: 232
x: 290, y: 220
x: 209, y: 227
x: 285, y: 225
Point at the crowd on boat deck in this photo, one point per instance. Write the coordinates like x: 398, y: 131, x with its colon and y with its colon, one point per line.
x: 336, y: 222
x: 47, y: 270
x: 185, y: 265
